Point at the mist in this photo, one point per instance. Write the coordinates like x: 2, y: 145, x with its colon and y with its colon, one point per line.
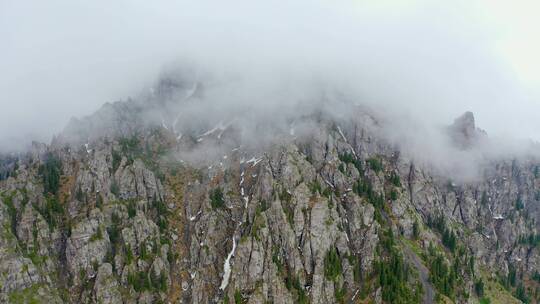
x: 419, y: 65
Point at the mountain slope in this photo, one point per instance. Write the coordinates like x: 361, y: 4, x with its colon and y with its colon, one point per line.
x: 145, y: 213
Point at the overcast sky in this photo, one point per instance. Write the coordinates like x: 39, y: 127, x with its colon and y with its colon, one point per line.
x: 64, y: 58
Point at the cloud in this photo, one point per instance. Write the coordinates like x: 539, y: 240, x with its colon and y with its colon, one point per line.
x: 431, y: 63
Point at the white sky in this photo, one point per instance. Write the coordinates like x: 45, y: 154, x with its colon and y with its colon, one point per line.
x: 64, y: 58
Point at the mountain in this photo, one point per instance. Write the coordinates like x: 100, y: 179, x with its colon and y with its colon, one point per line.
x: 146, y: 202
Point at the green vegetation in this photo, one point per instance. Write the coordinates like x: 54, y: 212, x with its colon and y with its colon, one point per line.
x: 79, y: 195
x: 12, y: 211
x: 258, y: 224
x: 393, y: 195
x: 511, y: 278
x: 51, y: 210
x: 443, y: 277
x: 98, y: 235
x: 140, y: 281
x: 479, y: 288
x: 339, y: 294
x: 513, y: 282
x: 161, y: 213
x: 262, y: 207
x: 395, y: 180
x: 350, y: 158
x: 315, y: 187
x: 238, y: 298
x: 114, y: 233
x: 116, y: 159
x: 332, y: 265
x: 99, y: 201
x: 276, y: 259
x: 485, y: 301
x: 130, y: 147
x: 35, y: 257
x: 484, y: 199
x: 416, y: 230
x: 131, y: 208
x: 393, y: 274
x: 216, y: 198
x: 293, y: 284
x: 375, y: 164
x: 532, y: 240
x: 364, y: 189
x: 28, y: 295
x: 448, y: 236
x: 285, y: 196
x: 50, y: 173
x: 114, y: 188
x: 519, y: 204
x: 521, y: 294
x: 536, y: 276
x: 129, y: 254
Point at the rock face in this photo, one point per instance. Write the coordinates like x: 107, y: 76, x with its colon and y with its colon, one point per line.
x: 335, y: 216
x: 464, y: 133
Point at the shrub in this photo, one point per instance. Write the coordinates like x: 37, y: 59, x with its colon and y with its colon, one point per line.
x: 99, y: 201
x: 216, y: 198
x: 50, y: 210
x: 521, y: 294
x: 50, y: 173
x: 416, y: 230
x: 114, y: 188
x: 238, y: 299
x: 12, y: 211
x: 79, y: 195
x: 519, y: 204
x: 443, y: 277
x: 129, y: 254
x: 392, y: 272
x: 485, y: 301
x: 448, y: 236
x: 395, y: 180
x: 393, y: 195
x: 332, y: 265
x: 131, y: 208
x: 315, y: 187
x: 98, y: 235
x: 116, y: 159
x: 479, y: 288
x: 349, y: 158
x: 140, y: 281
x: 375, y: 164
x: 160, y: 207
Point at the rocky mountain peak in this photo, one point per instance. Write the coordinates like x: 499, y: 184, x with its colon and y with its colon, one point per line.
x: 464, y: 133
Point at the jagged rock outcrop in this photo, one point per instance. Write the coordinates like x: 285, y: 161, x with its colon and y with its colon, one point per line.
x: 464, y: 132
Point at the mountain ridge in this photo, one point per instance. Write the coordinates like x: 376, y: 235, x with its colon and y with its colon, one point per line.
x: 124, y: 206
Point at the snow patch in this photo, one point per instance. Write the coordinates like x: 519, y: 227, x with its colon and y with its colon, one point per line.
x: 255, y: 161
x: 163, y: 124
x: 227, y: 267
x: 195, y: 216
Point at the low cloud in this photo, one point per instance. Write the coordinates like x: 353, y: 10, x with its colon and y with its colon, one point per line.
x: 417, y: 66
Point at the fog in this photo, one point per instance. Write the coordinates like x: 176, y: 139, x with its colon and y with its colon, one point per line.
x: 420, y: 64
